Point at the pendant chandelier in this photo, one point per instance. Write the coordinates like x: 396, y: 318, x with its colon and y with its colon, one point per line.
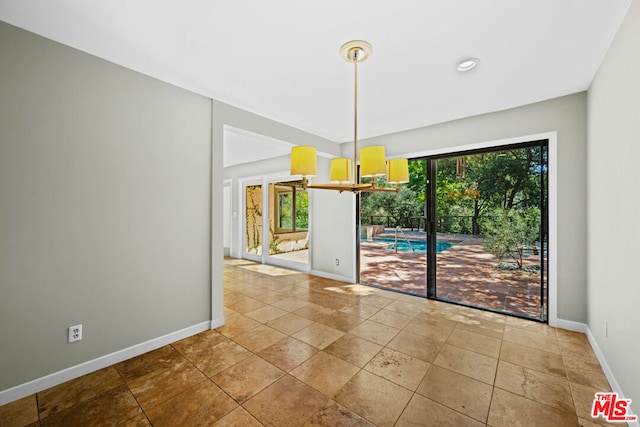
x: 373, y: 164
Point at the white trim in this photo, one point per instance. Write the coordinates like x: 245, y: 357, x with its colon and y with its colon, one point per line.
x: 56, y: 378
x: 332, y: 276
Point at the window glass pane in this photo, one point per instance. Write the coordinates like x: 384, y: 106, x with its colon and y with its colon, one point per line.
x: 285, y: 209
x: 302, y: 210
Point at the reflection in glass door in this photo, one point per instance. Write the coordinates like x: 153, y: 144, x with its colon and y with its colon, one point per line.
x: 276, y: 223
x: 490, y: 209
x: 288, y: 239
x: 252, y: 227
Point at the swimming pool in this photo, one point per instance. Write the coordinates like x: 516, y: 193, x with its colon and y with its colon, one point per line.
x: 418, y: 245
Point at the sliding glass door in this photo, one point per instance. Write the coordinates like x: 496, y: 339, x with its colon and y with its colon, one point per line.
x: 469, y: 228
x: 393, y: 238
x: 489, y: 229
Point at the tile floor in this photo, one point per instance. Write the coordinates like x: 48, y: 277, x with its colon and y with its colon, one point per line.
x: 301, y: 350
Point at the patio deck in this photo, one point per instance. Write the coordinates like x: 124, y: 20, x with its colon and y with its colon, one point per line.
x: 466, y: 273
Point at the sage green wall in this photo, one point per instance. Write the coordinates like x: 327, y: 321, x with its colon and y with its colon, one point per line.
x: 566, y: 115
x: 105, y: 196
x: 613, y: 289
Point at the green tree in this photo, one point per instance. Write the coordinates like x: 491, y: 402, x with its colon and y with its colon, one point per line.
x: 512, y: 233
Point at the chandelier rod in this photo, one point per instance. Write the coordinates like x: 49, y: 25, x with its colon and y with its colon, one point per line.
x: 355, y: 117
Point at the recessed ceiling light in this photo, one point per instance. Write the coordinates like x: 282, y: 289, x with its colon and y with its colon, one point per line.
x: 468, y: 64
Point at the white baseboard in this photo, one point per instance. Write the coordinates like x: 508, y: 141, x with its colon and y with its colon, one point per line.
x: 331, y: 276
x: 584, y: 328
x: 56, y: 378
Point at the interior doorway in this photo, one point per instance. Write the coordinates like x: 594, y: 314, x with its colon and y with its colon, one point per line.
x: 275, y: 222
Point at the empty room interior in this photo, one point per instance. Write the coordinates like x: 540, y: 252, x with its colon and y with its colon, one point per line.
x: 319, y: 213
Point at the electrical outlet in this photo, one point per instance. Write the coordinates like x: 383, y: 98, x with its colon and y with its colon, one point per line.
x: 606, y: 329
x: 75, y: 333
x: 337, y: 261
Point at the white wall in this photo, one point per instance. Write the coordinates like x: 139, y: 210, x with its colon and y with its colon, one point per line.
x: 613, y: 287
x: 105, y: 199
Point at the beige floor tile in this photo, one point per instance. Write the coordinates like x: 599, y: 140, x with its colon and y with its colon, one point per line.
x: 475, y: 342
x: 391, y: 318
x: 354, y: 350
x: 161, y: 358
x: 116, y: 405
x: 336, y: 415
x: 237, y: 325
x: 469, y: 363
x: 287, y: 402
x: 425, y: 412
x: 404, y: 307
x: 201, y: 405
x: 139, y: 420
x: 432, y: 329
x: 529, y: 325
x: 63, y: 396
x: 228, y: 313
x: 398, y: 367
x: 368, y: 395
x: 538, y: 360
x: 266, y: 314
x: 291, y: 304
x: 290, y: 323
x: 509, y: 410
x: 377, y: 301
x: 375, y: 332
x: 271, y: 297
x: 548, y: 389
x: 238, y: 417
x: 583, y: 397
x: 532, y: 339
x: 162, y: 384
x: 363, y: 311
x: 20, y: 412
x: 341, y: 321
x: 480, y: 326
x: 259, y: 338
x: 245, y: 305
x: 456, y: 391
x: 317, y: 335
x: 417, y: 346
x: 314, y: 311
x: 219, y: 358
x: 288, y: 353
x: 325, y: 373
x: 586, y: 373
x: 247, y: 378
x: 200, y: 342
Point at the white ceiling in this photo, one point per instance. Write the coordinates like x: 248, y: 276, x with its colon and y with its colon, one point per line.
x: 279, y: 58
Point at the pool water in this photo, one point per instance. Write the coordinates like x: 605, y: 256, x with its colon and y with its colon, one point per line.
x: 418, y: 245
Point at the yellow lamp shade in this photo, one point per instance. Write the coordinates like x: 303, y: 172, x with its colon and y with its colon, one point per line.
x: 303, y: 161
x: 372, y: 161
x: 340, y: 170
x: 397, y: 171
